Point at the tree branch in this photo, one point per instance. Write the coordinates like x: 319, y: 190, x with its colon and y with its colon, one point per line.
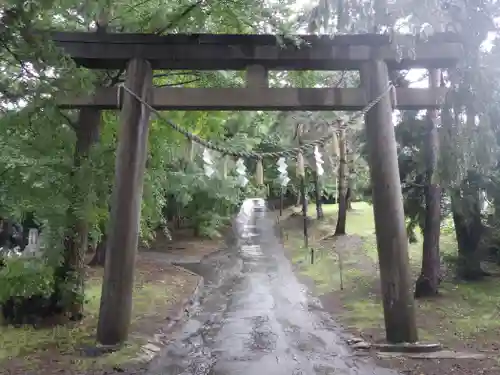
x: 177, y: 19
x: 179, y: 83
x: 71, y: 122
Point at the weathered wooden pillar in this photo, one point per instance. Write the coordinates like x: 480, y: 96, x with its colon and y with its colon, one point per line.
x: 116, y: 299
x: 392, y: 243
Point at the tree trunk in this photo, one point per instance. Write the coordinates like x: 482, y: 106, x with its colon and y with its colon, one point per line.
x: 298, y: 202
x: 348, y: 199
x: 428, y: 282
x: 100, y: 253
x: 465, y: 205
x: 350, y: 177
x: 70, y: 276
x: 99, y: 258
x: 317, y: 192
x: 466, y: 209
x: 342, y: 188
x: 410, y: 232
x: 303, y: 184
x: 468, y: 229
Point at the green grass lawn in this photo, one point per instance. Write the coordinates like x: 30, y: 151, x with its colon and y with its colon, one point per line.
x: 465, y: 312
x: 57, y: 348
x: 27, y: 342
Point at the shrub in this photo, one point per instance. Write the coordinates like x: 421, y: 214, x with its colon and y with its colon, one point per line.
x: 22, y: 277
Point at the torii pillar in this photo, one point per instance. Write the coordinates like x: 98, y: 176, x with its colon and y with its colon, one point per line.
x: 392, y: 241
x: 116, y: 298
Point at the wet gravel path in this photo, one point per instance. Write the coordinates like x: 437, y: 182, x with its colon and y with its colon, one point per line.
x: 257, y: 319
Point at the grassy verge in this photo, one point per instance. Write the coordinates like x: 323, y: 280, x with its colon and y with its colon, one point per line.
x: 156, y: 290
x: 467, y: 314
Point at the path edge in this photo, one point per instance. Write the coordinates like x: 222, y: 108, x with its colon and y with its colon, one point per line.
x: 183, y: 310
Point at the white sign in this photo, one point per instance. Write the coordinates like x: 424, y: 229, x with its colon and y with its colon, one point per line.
x: 319, y: 161
x: 241, y: 170
x: 283, y: 170
x: 208, y: 163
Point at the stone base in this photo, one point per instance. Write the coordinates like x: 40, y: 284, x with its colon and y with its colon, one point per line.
x: 442, y: 354
x: 417, y: 350
x: 98, y: 350
x: 417, y: 347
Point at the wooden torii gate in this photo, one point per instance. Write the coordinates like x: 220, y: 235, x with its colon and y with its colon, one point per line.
x: 140, y: 54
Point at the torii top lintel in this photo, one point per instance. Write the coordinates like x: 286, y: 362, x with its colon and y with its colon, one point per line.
x: 236, y: 52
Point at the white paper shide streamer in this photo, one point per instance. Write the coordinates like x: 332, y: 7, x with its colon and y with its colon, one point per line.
x: 283, y: 172
x: 241, y: 171
x: 319, y: 161
x: 208, y: 164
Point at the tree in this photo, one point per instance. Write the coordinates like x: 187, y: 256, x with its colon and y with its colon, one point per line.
x: 342, y: 183
x: 428, y: 282
x: 65, y: 176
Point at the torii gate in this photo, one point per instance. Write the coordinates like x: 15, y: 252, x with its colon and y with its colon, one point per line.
x: 140, y: 54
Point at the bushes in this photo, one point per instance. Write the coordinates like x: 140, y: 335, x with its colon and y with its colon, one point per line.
x: 26, y: 290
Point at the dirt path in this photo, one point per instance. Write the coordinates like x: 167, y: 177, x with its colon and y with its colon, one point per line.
x: 258, y: 319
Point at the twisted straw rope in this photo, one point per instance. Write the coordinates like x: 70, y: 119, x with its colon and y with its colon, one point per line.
x: 251, y: 154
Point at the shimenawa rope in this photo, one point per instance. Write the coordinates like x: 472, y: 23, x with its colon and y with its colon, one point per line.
x: 251, y: 154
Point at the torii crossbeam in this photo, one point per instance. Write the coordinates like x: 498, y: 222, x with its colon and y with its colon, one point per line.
x: 239, y: 52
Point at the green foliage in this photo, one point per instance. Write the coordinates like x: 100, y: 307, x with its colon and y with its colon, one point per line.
x: 37, y: 140
x: 25, y: 277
